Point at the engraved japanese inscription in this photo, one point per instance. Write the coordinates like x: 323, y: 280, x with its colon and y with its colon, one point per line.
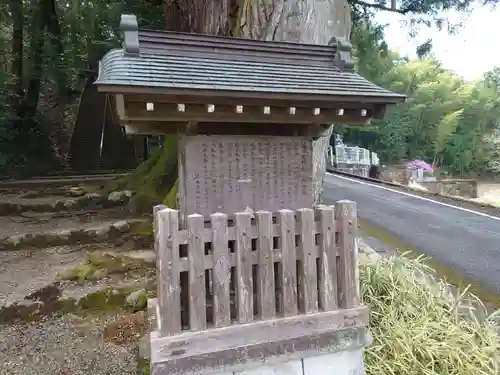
x: 232, y: 173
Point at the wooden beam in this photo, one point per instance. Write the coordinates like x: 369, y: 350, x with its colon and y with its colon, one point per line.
x: 303, y: 98
x: 152, y: 128
x: 225, y: 100
x: 171, y: 112
x: 120, y: 106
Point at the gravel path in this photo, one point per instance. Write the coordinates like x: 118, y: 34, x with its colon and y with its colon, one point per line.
x: 66, y: 345
x: 23, y: 272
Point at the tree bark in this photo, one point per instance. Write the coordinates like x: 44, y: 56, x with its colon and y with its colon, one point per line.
x: 16, y: 9
x: 299, y: 21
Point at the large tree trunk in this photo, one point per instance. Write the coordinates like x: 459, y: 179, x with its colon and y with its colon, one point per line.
x: 301, y: 21
x: 16, y: 9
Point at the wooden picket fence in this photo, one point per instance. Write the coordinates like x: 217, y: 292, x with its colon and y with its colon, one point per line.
x: 254, y: 266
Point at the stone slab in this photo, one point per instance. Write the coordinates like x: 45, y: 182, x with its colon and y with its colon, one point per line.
x: 233, y: 173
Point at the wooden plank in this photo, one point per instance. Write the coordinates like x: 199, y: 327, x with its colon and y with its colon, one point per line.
x: 327, y: 271
x: 196, y: 253
x: 308, y: 276
x: 266, y: 297
x: 169, y: 289
x: 157, y: 209
x: 221, y: 273
x: 347, y: 274
x: 231, y: 233
x: 288, y: 301
x: 244, y: 282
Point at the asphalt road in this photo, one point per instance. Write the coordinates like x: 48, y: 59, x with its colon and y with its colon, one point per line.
x: 459, y: 239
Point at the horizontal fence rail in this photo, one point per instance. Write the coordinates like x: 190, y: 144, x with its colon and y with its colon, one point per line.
x: 220, y: 271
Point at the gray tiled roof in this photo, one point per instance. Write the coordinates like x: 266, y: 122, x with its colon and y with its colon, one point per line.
x: 179, y: 61
x: 210, y: 73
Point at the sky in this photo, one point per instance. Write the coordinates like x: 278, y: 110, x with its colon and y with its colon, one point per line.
x: 472, y: 51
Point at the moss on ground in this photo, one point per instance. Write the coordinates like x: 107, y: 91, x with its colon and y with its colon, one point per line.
x: 144, y: 229
x: 101, y: 302
x: 101, y: 263
x: 153, y: 181
x: 143, y: 367
x: 106, y: 300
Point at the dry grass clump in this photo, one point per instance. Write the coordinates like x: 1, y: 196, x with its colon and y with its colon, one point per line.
x: 420, y: 328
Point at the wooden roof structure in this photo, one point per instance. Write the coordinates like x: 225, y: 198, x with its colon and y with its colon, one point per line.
x: 162, y: 81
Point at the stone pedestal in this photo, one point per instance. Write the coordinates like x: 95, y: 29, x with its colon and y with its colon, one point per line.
x: 310, y: 352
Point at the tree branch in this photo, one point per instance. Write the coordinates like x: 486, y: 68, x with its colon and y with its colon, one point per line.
x: 412, y: 7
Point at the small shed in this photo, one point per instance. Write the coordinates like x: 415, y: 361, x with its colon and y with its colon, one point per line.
x: 248, y: 110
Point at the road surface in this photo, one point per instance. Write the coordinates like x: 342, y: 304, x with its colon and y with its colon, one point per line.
x: 457, y: 238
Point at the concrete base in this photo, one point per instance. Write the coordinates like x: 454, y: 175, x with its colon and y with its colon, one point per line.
x: 338, y: 352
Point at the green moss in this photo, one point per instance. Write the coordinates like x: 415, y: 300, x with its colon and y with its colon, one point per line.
x: 144, y: 229
x: 143, y: 367
x: 76, y: 191
x: 451, y: 276
x: 171, y: 198
x: 102, y: 263
x: 106, y: 300
x: 153, y: 180
x: 81, y: 272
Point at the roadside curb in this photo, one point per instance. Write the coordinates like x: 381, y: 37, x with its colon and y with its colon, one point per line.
x: 366, y: 253
x: 466, y: 203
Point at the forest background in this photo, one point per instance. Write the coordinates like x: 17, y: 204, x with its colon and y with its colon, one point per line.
x: 51, y: 47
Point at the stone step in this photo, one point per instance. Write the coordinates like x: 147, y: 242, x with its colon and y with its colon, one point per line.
x: 42, y: 230
x: 33, y: 201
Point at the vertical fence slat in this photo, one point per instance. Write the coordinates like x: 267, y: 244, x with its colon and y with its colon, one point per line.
x: 308, y: 280
x: 196, y: 257
x: 169, y: 293
x: 286, y: 220
x: 221, y: 273
x: 265, y: 270
x: 347, y: 273
x: 244, y: 282
x: 157, y: 209
x: 327, y: 271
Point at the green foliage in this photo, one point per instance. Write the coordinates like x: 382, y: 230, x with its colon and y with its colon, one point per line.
x: 420, y: 327
x: 445, y: 119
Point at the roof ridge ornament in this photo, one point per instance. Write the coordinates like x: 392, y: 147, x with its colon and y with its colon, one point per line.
x: 343, y: 56
x: 130, y: 28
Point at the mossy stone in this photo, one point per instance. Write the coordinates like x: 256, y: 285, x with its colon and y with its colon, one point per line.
x: 81, y: 272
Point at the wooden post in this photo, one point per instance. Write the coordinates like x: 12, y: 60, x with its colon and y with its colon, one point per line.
x: 286, y: 221
x: 244, y: 282
x: 348, y: 259
x: 221, y: 272
x: 327, y: 272
x: 196, y: 273
x: 308, y: 273
x: 169, y: 297
x: 265, y: 272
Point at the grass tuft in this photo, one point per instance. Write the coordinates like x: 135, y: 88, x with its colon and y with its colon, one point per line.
x: 420, y: 328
